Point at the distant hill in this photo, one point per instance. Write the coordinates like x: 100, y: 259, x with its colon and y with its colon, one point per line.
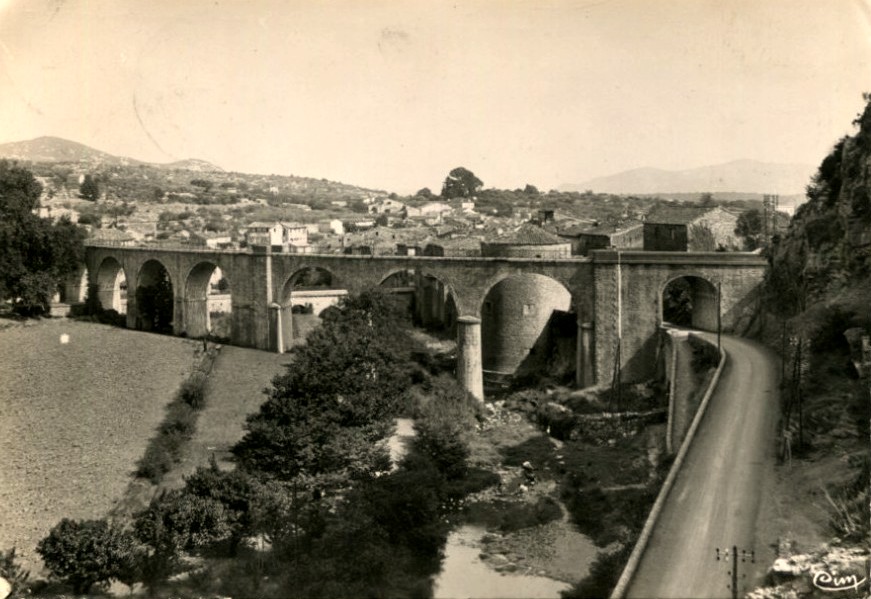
x: 56, y: 149
x: 743, y: 176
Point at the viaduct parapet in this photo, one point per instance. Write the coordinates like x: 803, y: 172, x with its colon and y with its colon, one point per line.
x: 614, y: 296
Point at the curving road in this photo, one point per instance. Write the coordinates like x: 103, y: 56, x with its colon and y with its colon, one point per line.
x: 716, y: 497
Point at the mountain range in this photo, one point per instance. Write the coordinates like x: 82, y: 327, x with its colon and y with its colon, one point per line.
x: 744, y: 176
x: 56, y: 149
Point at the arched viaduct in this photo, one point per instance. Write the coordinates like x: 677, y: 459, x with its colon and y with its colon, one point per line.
x: 614, y: 295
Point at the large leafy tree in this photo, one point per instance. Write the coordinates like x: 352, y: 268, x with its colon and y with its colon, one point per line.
x: 461, y: 183
x: 35, y: 253
x: 324, y: 415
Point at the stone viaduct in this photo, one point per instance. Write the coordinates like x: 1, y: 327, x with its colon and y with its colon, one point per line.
x: 616, y: 296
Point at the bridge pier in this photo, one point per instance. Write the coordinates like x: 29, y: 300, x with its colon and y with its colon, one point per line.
x: 584, y: 373
x: 196, y: 317
x: 470, y: 373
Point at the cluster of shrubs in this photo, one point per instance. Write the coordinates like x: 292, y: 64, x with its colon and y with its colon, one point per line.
x: 178, y: 426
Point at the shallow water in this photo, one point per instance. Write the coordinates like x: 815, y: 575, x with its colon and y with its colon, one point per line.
x: 465, y: 576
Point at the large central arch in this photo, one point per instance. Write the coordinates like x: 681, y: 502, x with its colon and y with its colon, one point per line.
x: 689, y: 301
x: 527, y: 326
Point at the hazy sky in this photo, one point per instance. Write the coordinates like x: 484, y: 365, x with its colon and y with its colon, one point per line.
x: 392, y: 94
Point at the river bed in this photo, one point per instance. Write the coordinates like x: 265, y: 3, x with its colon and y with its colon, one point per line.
x: 465, y: 576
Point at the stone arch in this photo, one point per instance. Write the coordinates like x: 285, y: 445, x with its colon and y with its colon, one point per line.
x: 155, y: 299
x: 305, y: 294
x: 690, y: 300
x: 204, y: 301
x: 111, y: 285
x: 527, y: 325
x: 435, y: 303
x: 74, y: 288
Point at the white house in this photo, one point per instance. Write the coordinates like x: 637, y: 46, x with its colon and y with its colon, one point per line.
x: 260, y: 233
x: 295, y: 234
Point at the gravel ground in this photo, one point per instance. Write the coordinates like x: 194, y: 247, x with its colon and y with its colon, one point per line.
x: 78, y: 403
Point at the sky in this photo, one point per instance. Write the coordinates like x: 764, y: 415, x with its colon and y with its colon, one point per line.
x: 393, y: 94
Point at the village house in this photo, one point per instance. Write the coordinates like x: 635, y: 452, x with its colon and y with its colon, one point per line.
x: 387, y: 206
x: 585, y: 238
x: 690, y: 228
x: 212, y: 240
x: 261, y: 233
x: 280, y: 236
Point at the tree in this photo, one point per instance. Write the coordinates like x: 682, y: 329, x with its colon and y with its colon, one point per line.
x: 83, y: 553
x: 461, y: 183
x: 749, y: 227
x: 424, y: 193
x: 324, y: 415
x: 37, y: 254
x: 90, y: 188
x: 530, y: 190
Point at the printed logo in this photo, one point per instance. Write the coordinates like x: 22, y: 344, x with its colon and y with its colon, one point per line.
x: 831, y: 583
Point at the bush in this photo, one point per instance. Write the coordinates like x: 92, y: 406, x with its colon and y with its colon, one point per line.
x: 193, y: 390
x: 88, y: 552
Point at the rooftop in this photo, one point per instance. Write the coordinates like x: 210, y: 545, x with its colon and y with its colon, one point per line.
x: 677, y: 215
x: 528, y: 234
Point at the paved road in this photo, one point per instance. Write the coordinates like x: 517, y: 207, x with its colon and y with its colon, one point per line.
x: 715, y: 499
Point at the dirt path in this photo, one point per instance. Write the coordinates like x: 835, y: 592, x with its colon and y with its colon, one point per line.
x: 716, y: 498
x: 235, y: 389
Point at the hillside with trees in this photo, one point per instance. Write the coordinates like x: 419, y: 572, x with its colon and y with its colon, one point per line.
x: 816, y: 313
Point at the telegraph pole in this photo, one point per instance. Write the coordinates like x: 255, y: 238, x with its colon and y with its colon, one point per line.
x: 732, y: 556
x: 719, y: 314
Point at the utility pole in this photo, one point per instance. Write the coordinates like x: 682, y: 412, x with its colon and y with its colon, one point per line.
x: 719, y: 313
x: 732, y: 556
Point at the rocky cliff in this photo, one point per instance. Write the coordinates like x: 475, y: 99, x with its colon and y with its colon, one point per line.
x: 828, y: 243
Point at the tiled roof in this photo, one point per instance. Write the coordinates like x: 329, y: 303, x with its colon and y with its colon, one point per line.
x: 676, y: 215
x: 458, y: 243
x: 528, y: 234
x: 604, y: 229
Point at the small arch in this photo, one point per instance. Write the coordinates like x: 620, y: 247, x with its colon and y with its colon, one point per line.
x: 208, y: 302
x: 155, y: 301
x: 74, y: 289
x: 111, y: 285
x: 310, y: 290
x: 689, y: 300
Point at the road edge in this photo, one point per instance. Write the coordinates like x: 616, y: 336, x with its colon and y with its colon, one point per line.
x: 641, y: 545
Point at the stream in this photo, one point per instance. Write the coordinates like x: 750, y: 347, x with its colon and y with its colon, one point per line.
x: 465, y: 576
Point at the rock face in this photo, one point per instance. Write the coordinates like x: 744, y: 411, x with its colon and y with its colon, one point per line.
x: 829, y: 239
